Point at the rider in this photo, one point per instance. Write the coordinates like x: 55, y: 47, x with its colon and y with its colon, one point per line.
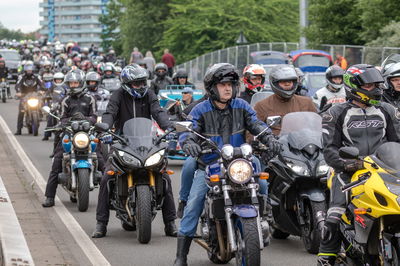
x: 181, y: 78
x: 96, y: 90
x: 253, y: 80
x: 283, y: 80
x: 301, y: 90
x: 392, y: 83
x: 108, y: 71
x: 133, y: 99
x: 334, y: 92
x: 4, y: 74
x: 28, y: 82
x: 161, y: 81
x: 77, y: 105
x: 224, y: 118
x: 363, y: 122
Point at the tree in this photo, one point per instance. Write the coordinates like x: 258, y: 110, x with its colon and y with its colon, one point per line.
x: 111, y: 36
x: 195, y: 27
x: 14, y: 34
x: 389, y: 36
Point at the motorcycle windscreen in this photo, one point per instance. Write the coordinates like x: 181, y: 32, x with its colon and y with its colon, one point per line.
x: 259, y: 96
x: 302, y: 128
x: 389, y: 154
x: 140, y: 132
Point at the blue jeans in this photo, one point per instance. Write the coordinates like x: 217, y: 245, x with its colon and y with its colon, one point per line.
x: 259, y: 167
x: 188, y: 170
x: 194, y: 206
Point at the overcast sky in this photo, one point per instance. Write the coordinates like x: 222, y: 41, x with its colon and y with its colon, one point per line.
x: 20, y: 14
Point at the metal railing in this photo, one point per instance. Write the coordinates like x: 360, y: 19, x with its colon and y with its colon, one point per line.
x: 240, y: 55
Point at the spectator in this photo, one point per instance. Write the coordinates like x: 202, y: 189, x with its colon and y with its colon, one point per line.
x: 135, y: 56
x: 150, y: 61
x: 169, y: 60
x: 341, y: 61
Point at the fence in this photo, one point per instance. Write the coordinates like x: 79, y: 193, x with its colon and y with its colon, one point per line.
x: 240, y: 55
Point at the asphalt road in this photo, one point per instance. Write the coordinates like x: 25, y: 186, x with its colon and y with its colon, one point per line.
x: 121, y: 247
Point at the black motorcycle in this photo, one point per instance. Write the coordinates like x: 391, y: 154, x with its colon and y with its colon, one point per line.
x: 139, y: 164
x: 231, y: 224
x: 297, y: 190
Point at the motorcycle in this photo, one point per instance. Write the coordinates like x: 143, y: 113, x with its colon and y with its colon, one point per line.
x: 31, y: 108
x: 4, y: 86
x: 231, y: 224
x: 298, y: 173
x: 370, y: 225
x: 139, y: 163
x: 79, y: 164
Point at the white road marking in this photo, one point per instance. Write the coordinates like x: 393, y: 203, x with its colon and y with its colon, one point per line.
x: 13, y: 243
x: 83, y: 240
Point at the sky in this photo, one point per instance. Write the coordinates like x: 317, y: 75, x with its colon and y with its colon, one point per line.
x: 20, y: 14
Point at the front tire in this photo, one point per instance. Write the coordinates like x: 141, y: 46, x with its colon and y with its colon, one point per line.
x: 310, y: 233
x: 248, y: 242
x: 82, y: 194
x: 35, y: 124
x: 143, y: 213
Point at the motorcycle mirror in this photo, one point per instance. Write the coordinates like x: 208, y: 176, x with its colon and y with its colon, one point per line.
x: 274, y: 120
x: 349, y: 153
x: 46, y: 109
x: 183, y: 126
x: 102, y: 127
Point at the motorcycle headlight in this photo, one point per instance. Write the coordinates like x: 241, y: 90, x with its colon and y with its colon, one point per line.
x: 33, y: 102
x: 81, y: 140
x: 129, y: 159
x: 322, y: 169
x: 240, y: 171
x: 299, y: 168
x: 154, y: 159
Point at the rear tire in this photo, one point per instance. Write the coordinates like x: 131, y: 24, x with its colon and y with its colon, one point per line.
x: 310, y: 233
x: 82, y: 194
x: 143, y: 213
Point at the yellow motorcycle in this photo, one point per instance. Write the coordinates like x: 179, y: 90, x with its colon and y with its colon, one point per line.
x: 370, y: 227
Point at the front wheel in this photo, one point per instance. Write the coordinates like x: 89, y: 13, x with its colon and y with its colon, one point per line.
x: 310, y: 233
x: 82, y: 194
x: 35, y: 124
x: 248, y: 242
x: 4, y: 97
x: 143, y: 213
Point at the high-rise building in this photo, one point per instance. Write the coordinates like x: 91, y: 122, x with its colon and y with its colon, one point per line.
x: 72, y: 20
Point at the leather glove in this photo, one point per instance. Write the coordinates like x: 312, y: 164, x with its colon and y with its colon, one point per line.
x: 192, y: 149
x: 78, y: 116
x: 171, y: 136
x: 107, y: 139
x: 274, y: 146
x: 351, y: 166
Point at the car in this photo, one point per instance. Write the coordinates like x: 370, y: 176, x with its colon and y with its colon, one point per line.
x: 311, y: 60
x: 13, y: 61
x: 314, y: 81
x: 269, y: 58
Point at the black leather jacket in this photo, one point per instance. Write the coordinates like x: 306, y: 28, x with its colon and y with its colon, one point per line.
x: 27, y: 84
x: 391, y: 97
x: 347, y: 124
x: 158, y: 84
x: 123, y: 106
x: 83, y: 103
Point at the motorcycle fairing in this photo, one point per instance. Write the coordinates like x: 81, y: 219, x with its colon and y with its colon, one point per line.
x: 313, y: 194
x: 79, y: 164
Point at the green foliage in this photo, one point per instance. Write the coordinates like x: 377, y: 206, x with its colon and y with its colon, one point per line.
x: 14, y: 34
x: 389, y: 36
x: 111, y: 36
x: 195, y: 27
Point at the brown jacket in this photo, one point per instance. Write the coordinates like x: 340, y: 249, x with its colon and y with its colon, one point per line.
x: 275, y: 105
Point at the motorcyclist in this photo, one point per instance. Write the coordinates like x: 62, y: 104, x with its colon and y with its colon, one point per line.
x: 161, y: 81
x: 46, y: 68
x: 108, y: 72
x: 27, y: 55
x: 391, y: 94
x: 133, y: 99
x: 4, y: 74
x: 363, y: 122
x: 334, y: 92
x: 215, y: 118
x: 110, y: 57
x: 96, y: 90
x: 283, y: 80
x: 181, y: 78
x: 28, y: 82
x: 253, y: 80
x: 301, y: 90
x: 77, y: 105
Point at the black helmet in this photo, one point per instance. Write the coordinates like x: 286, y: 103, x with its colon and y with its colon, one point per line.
x: 134, y: 74
x: 359, y: 75
x: 92, y: 76
x: 283, y: 73
x: 180, y: 73
x: 218, y: 73
x: 160, y: 66
x: 75, y: 75
x: 333, y: 72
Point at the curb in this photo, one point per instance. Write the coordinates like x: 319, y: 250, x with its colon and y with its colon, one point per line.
x: 14, y: 249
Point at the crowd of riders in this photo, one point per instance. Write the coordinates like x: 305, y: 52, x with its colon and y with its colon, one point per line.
x: 359, y: 108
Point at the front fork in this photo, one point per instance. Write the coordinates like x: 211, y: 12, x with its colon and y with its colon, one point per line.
x: 90, y: 160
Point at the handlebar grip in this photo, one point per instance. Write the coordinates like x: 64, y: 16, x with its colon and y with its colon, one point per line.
x: 352, y: 184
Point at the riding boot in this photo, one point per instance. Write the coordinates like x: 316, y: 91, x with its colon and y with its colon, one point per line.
x: 182, y: 250
x: 100, y: 231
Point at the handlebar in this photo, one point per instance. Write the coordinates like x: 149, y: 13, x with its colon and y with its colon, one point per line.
x: 356, y: 183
